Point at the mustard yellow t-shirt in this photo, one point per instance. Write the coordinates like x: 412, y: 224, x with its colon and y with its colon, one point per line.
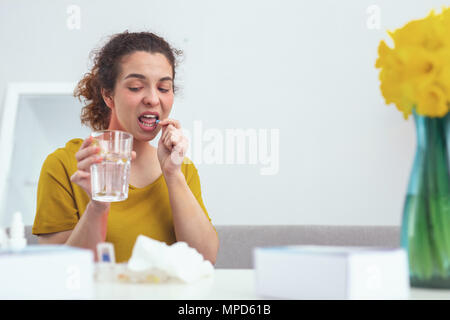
x: 147, y: 211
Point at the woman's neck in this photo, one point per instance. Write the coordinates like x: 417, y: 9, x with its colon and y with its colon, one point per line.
x: 142, y: 148
x: 146, y: 155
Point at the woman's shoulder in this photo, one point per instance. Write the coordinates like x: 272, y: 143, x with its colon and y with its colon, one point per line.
x: 187, y: 163
x: 64, y: 156
x: 71, y: 147
x: 188, y: 168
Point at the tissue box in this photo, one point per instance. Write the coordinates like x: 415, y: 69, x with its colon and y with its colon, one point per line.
x: 323, y: 272
x: 47, y: 272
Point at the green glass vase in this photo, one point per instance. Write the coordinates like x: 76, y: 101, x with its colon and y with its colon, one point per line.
x: 425, y: 230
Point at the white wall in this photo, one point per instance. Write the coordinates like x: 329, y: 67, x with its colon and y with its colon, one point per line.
x: 305, y: 68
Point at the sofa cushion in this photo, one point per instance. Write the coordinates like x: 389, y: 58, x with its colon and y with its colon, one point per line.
x: 237, y: 241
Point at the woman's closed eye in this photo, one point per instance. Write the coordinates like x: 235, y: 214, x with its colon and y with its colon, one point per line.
x: 137, y: 89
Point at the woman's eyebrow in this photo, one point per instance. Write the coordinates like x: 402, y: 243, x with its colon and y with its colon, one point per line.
x: 166, y: 79
x: 142, y: 77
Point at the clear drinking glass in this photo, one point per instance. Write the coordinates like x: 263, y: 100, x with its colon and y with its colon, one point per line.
x: 109, y: 178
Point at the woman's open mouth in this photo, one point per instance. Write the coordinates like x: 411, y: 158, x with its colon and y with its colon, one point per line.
x: 148, y: 122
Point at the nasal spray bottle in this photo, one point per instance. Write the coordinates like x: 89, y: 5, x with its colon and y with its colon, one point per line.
x: 3, y: 239
x: 17, y: 240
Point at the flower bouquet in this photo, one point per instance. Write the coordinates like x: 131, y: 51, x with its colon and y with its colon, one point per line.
x: 415, y: 76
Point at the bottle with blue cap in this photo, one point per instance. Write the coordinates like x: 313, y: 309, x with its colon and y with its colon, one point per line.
x: 3, y: 239
x: 17, y: 240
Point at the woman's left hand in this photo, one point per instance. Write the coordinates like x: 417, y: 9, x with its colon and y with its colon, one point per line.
x: 172, y: 147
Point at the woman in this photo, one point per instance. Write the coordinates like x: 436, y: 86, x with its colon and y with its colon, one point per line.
x: 133, y: 75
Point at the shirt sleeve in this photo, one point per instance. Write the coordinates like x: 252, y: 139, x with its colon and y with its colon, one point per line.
x: 193, y: 181
x: 56, y: 209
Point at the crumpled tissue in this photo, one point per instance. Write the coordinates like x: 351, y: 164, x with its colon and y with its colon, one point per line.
x: 177, y: 260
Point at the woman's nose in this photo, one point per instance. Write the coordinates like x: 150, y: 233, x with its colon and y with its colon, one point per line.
x: 151, y: 97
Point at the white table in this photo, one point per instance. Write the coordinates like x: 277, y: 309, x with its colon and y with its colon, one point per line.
x: 226, y: 284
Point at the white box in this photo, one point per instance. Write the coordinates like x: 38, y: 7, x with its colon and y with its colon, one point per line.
x: 47, y: 272
x: 325, y: 272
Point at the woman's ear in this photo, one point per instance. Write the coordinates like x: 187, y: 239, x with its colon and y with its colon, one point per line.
x: 107, y: 98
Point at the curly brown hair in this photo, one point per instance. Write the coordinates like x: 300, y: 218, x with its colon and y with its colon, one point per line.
x: 106, y: 68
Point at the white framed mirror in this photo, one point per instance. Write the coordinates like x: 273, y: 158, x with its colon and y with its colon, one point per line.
x: 37, y: 119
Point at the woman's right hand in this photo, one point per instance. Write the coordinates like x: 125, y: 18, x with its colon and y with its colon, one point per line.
x: 87, y: 155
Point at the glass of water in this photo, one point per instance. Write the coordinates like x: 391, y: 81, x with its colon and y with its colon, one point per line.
x: 109, y: 178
